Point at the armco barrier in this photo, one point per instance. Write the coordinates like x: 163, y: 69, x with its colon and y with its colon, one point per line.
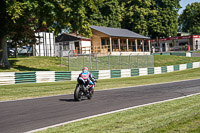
x: 25, y: 77
x: 52, y: 76
x: 61, y: 76
x: 174, y: 53
x: 115, y: 73
x: 164, y: 69
x: 7, y: 78
x: 135, y: 72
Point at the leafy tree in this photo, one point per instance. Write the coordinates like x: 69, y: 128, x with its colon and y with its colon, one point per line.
x: 21, y: 18
x: 189, y: 20
x: 152, y: 17
x: 135, y: 15
x: 107, y: 14
x: 165, y: 21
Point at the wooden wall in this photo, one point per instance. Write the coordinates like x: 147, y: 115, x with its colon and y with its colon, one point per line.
x: 96, y: 38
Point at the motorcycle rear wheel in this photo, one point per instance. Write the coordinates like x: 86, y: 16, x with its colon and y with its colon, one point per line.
x: 77, y: 94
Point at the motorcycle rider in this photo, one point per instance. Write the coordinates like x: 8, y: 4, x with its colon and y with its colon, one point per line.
x: 86, y: 75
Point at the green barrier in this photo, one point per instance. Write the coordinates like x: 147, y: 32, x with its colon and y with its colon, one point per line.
x: 164, y: 69
x: 176, y: 67
x: 178, y: 54
x: 156, y: 53
x: 61, y: 76
x: 135, y: 72
x: 115, y: 73
x: 189, y: 65
x: 165, y: 53
x: 150, y: 70
x: 95, y: 74
x: 25, y: 77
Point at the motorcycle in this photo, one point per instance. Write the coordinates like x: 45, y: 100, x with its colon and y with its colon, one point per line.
x: 83, y: 90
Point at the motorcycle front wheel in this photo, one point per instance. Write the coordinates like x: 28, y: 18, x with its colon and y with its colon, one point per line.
x: 90, y: 94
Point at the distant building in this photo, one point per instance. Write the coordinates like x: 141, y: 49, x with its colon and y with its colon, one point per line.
x: 183, y: 34
x: 45, y: 45
x: 71, y: 42
x: 179, y: 43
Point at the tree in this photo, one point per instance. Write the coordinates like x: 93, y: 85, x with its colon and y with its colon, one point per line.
x: 151, y: 18
x: 29, y: 16
x: 107, y: 14
x: 189, y: 20
x: 165, y: 21
x: 135, y: 15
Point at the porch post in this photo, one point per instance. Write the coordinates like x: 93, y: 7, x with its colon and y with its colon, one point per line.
x: 149, y: 45
x: 143, y: 45
x: 101, y: 45
x: 119, y: 44
x: 127, y: 44
x: 136, y: 45
x: 110, y: 45
x: 131, y: 45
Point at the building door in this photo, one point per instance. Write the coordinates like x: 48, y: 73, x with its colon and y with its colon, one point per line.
x: 77, y: 48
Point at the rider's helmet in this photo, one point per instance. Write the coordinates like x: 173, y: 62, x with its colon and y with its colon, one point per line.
x: 85, y: 69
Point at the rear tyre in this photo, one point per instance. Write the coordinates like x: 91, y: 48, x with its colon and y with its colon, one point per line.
x: 77, y: 94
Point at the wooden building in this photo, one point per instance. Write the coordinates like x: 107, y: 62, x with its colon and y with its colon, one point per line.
x: 72, y: 42
x: 115, y: 41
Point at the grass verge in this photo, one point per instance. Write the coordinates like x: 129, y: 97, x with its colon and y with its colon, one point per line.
x: 53, y: 63
x: 182, y: 115
x: 20, y: 91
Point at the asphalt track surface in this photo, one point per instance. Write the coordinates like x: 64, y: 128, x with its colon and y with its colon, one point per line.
x: 26, y: 115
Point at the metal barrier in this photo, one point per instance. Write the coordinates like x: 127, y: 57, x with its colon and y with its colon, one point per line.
x: 51, y: 76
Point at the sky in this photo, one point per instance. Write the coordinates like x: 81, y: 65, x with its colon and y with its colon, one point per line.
x: 184, y: 3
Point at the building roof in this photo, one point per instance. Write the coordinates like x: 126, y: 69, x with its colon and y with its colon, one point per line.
x: 69, y: 37
x: 116, y: 32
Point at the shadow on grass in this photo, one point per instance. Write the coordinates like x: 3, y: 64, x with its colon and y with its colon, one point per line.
x: 24, y: 68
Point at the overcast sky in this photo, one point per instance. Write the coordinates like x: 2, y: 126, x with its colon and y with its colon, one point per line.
x: 184, y: 3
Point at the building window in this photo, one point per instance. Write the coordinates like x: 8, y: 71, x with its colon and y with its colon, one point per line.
x: 103, y: 42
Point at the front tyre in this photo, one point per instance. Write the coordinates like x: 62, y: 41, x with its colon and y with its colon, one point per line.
x: 77, y: 94
x: 90, y: 94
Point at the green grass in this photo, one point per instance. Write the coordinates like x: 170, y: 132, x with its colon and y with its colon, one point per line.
x: 19, y: 91
x: 166, y: 60
x: 53, y: 63
x: 182, y: 115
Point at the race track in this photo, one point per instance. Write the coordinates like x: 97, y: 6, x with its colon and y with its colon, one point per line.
x: 26, y: 115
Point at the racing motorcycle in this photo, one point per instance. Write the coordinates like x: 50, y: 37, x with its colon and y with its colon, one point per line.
x: 83, y: 90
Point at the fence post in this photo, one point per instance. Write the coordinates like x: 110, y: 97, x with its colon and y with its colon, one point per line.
x: 137, y: 61
x: 109, y: 62
x: 96, y: 62
x: 146, y: 61
x: 120, y: 60
x: 69, y: 60
x: 61, y: 53
x: 90, y: 62
x: 130, y: 61
x: 152, y: 60
x: 84, y: 59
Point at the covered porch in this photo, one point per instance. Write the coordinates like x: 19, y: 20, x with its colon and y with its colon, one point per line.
x: 111, y: 45
x: 106, y: 40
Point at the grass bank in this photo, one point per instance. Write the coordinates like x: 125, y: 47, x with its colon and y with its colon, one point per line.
x: 181, y: 115
x: 53, y: 63
x: 20, y: 91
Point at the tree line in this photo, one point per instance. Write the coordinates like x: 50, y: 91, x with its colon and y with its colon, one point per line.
x: 20, y: 19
